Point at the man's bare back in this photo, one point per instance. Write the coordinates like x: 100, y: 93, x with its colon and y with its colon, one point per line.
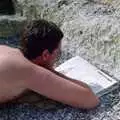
x: 11, y: 82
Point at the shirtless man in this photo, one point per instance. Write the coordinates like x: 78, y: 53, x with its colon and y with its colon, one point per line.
x: 25, y: 69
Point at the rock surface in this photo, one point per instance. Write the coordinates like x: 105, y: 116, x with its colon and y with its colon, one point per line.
x: 91, y: 29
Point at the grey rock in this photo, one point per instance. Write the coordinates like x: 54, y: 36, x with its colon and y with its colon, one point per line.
x: 91, y: 29
x: 11, y: 25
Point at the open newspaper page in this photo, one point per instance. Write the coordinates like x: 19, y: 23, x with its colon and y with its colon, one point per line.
x: 80, y: 69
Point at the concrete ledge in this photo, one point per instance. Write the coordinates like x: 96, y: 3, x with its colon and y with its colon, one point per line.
x: 11, y: 25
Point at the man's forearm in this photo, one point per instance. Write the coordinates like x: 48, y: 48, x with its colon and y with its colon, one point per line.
x: 54, y: 86
x: 70, y: 79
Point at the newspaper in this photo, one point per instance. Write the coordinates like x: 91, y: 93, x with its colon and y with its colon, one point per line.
x: 80, y: 69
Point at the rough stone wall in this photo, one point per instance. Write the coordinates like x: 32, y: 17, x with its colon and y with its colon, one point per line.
x: 91, y: 28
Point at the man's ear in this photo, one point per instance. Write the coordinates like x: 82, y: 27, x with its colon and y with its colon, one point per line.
x: 45, y: 55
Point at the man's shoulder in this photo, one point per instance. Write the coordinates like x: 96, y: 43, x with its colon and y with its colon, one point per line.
x: 13, y: 58
x: 14, y: 66
x: 9, y: 51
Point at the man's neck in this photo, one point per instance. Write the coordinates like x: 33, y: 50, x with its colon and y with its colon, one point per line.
x: 43, y: 64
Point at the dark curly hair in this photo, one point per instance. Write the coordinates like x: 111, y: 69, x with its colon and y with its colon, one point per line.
x: 39, y: 35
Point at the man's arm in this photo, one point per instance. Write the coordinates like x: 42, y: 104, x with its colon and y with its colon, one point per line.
x: 57, y: 88
x: 70, y: 79
x: 67, y: 78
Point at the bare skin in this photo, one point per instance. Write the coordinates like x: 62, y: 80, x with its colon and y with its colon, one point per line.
x: 18, y: 74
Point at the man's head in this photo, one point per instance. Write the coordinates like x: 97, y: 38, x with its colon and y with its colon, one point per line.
x: 41, y: 42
